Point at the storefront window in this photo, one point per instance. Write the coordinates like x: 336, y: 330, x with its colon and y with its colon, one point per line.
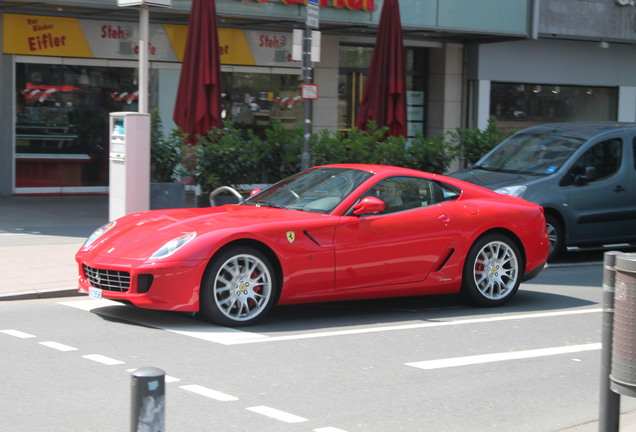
x: 62, y: 122
x: 252, y: 100
x: 516, y: 106
x: 354, y: 65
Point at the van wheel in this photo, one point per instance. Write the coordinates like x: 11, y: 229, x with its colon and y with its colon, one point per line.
x: 555, y: 233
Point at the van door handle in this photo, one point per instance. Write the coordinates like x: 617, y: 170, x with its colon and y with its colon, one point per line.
x: 619, y: 188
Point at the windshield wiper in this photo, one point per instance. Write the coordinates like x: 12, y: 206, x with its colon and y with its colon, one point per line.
x: 269, y: 204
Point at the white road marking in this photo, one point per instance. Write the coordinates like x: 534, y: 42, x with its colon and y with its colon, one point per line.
x: 414, y: 326
x: 17, y: 333
x: 209, y: 393
x: 58, y: 346
x: 503, y: 356
x: 103, y: 359
x: 229, y: 336
x: 277, y: 414
x: 203, y: 331
x: 90, y: 304
x: 329, y: 429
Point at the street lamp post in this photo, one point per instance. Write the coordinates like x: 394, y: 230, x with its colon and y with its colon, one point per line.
x: 311, y: 22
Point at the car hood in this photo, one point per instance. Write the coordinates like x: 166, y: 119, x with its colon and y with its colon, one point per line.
x: 492, y: 179
x: 139, y: 235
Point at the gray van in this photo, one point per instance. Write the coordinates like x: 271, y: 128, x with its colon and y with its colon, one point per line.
x: 582, y: 173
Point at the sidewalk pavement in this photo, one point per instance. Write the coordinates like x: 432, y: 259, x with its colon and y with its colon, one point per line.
x: 39, y: 236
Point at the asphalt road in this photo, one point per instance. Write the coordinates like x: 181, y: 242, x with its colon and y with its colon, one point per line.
x: 412, y: 364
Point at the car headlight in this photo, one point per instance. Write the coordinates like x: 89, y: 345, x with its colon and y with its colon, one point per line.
x: 173, y: 245
x: 517, y: 191
x: 98, y: 233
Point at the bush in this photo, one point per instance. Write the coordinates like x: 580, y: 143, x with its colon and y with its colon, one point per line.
x: 229, y: 157
x: 281, y: 152
x: 433, y: 154
x: 474, y: 143
x: 165, y: 152
x: 223, y: 157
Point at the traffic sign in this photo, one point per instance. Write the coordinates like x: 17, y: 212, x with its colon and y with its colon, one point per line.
x: 313, y: 15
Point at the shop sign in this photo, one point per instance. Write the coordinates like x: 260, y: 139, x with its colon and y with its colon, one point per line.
x: 72, y: 37
x: 366, y: 5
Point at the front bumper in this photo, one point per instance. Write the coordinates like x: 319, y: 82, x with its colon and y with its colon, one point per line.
x: 172, y: 286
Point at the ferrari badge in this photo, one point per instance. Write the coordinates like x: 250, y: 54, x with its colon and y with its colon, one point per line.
x: 291, y: 236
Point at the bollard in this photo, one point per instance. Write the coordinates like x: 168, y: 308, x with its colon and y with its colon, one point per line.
x: 148, y: 400
x: 609, y: 414
x: 623, y: 373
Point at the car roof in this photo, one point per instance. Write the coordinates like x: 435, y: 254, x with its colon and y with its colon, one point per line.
x: 376, y: 169
x: 584, y: 129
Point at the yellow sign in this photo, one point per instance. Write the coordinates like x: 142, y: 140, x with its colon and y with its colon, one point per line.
x: 41, y: 35
x: 233, y: 46
x: 72, y: 37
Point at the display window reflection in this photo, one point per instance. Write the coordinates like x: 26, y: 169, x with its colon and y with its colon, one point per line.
x: 252, y: 100
x: 61, y: 131
x: 517, y: 105
x: 353, y: 70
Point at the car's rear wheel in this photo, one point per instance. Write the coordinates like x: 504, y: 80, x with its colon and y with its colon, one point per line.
x: 492, y: 271
x: 239, y: 287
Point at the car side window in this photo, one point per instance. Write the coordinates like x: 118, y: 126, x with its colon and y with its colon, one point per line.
x: 604, y: 158
x: 405, y: 193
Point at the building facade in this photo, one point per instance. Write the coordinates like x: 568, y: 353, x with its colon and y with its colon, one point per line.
x: 64, y: 68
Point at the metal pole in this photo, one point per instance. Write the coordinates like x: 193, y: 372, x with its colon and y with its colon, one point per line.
x: 148, y: 401
x: 609, y: 415
x: 144, y: 16
x: 308, y: 79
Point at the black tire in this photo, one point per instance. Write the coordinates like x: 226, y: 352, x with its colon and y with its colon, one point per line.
x: 493, y: 271
x: 239, y: 287
x: 555, y: 233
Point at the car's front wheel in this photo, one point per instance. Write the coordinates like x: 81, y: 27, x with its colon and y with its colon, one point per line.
x: 239, y: 287
x: 492, y: 271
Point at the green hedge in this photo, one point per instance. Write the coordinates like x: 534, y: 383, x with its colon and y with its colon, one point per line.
x: 232, y: 156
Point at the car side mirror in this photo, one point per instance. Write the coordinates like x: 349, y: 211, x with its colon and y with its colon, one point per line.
x: 367, y: 205
x: 255, y: 191
x: 589, y: 176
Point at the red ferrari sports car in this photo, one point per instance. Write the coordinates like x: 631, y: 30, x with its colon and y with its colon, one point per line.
x: 335, y: 232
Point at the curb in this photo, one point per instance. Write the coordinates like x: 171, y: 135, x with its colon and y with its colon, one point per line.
x: 34, y: 295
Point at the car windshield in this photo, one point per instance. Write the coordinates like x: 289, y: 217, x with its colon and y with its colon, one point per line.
x: 531, y: 153
x: 318, y: 190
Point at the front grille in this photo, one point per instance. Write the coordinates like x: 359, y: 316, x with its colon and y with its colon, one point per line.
x: 109, y: 280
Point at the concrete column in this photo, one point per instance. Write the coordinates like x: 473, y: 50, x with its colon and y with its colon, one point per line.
x: 444, y: 101
x: 325, y: 115
x: 626, y: 104
x: 7, y: 126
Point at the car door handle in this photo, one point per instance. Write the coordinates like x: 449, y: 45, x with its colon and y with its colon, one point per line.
x: 443, y: 218
x: 619, y: 188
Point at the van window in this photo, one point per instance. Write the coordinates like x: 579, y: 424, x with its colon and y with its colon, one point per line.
x: 533, y: 153
x: 605, y: 157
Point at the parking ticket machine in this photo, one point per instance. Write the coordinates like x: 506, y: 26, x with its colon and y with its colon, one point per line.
x: 129, y: 186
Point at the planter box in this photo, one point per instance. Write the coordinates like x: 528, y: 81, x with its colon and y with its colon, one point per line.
x: 167, y: 195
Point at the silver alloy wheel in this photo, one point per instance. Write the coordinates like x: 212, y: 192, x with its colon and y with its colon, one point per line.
x: 496, y: 270
x: 242, y: 287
